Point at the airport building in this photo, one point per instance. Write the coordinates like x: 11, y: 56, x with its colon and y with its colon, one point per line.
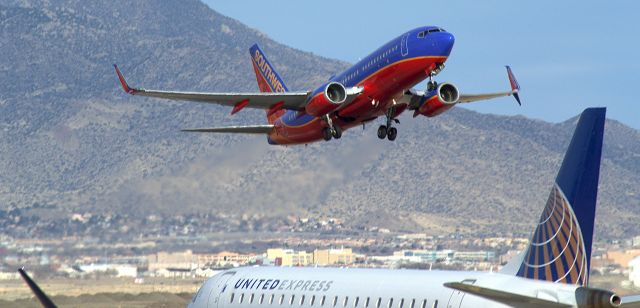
x: 289, y: 257
x: 621, y: 258
x: 223, y: 259
x: 429, y: 256
x: 340, y: 256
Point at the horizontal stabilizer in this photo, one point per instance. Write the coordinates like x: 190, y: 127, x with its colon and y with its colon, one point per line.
x: 252, y: 129
x: 507, y: 298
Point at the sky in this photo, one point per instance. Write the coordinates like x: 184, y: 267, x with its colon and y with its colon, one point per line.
x: 566, y: 55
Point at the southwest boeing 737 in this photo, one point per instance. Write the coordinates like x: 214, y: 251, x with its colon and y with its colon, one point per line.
x: 553, y: 272
x: 378, y: 85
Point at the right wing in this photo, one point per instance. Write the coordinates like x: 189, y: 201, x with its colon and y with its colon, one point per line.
x: 515, y: 88
x: 267, y: 100
x: 253, y: 129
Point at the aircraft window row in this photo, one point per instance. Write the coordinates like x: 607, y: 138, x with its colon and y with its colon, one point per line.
x: 351, y: 76
x: 334, y: 303
x: 380, y: 57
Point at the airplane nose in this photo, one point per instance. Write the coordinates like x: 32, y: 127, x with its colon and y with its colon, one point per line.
x: 445, y: 42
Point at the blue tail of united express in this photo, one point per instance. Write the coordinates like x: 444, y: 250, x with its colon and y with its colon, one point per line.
x: 560, y: 248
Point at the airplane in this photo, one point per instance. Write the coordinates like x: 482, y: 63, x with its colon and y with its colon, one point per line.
x: 553, y: 272
x: 378, y: 85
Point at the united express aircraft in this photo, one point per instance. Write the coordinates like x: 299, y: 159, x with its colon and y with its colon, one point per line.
x: 378, y: 85
x: 553, y: 272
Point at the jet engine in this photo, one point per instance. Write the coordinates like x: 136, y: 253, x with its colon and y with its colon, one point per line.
x: 590, y: 297
x: 437, y: 101
x: 333, y: 96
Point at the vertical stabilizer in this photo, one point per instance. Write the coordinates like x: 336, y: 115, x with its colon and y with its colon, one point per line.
x: 560, y: 248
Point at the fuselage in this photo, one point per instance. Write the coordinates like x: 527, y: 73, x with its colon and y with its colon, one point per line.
x: 384, y: 75
x: 356, y: 288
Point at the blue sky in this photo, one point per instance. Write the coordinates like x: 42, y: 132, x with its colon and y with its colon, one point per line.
x: 567, y: 55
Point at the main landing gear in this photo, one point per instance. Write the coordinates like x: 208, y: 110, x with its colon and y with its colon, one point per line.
x: 387, y: 130
x: 333, y: 131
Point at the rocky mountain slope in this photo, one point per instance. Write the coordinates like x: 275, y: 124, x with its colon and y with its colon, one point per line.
x: 70, y: 139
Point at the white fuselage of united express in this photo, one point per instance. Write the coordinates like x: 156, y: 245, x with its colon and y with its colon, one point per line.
x: 363, y: 288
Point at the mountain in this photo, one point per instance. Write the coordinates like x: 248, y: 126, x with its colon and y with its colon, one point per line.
x: 71, y: 140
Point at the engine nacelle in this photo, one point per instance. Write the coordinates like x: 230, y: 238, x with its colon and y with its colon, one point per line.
x: 437, y: 101
x: 590, y: 297
x: 333, y: 96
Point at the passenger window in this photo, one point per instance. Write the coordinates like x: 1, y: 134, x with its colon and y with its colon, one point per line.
x: 291, y: 300
x: 271, y: 299
x: 231, y: 299
x: 322, y: 301
x: 424, y: 304
x: 435, y: 304
x: 281, y: 299
x: 335, y: 301
x: 390, y: 303
x: 366, y: 303
x: 313, y: 300
x: 302, y: 300
x: 251, y: 299
x: 413, y: 303
x: 346, y: 299
x: 241, y: 298
x: 378, y: 302
x: 355, y: 303
x: 401, y: 303
x: 261, y: 299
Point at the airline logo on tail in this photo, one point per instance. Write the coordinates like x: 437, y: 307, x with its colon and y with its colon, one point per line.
x: 270, y: 82
x: 557, y: 250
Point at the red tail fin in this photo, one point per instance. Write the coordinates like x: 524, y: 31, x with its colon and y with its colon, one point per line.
x: 268, y: 80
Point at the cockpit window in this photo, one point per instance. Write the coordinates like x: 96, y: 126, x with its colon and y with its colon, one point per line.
x: 424, y: 33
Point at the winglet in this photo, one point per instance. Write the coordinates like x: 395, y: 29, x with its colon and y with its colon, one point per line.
x: 123, y: 82
x: 515, y: 87
x: 43, y: 298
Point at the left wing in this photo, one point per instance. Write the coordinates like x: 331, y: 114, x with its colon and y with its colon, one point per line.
x: 253, y: 129
x: 515, y: 87
x: 266, y: 100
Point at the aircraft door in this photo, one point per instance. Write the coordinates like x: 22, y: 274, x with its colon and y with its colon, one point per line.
x: 219, y: 290
x: 404, y: 45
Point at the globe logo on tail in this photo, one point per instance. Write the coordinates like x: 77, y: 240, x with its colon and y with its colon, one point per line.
x: 557, y: 250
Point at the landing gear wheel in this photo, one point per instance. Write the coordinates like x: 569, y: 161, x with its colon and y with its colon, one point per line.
x: 382, y: 132
x: 336, y: 132
x: 326, y: 134
x: 392, y: 133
